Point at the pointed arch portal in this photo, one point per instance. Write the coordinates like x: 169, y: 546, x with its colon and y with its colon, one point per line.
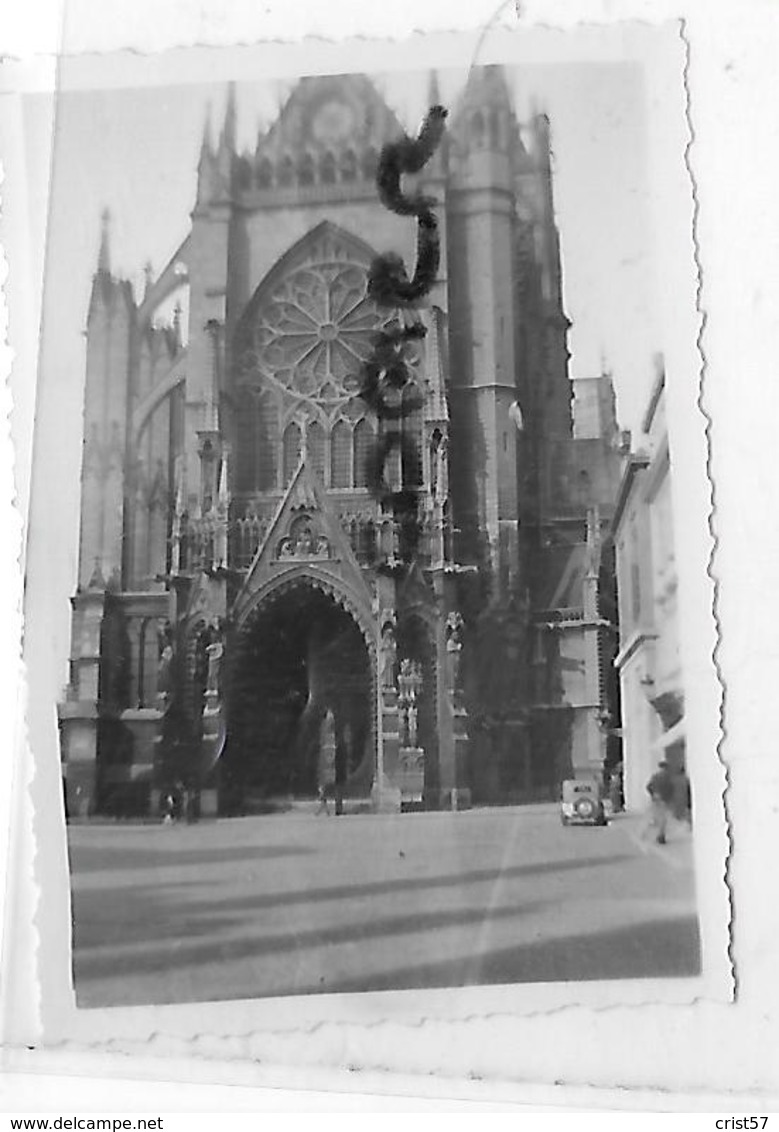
x: 300, y: 712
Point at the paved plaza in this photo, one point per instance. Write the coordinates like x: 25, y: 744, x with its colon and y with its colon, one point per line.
x: 299, y: 904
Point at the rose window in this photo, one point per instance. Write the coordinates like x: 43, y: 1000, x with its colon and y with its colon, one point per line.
x: 300, y: 349
x: 313, y: 332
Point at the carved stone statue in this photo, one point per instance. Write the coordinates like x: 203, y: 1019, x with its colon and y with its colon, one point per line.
x: 305, y: 543
x: 411, y: 717
x: 389, y: 652
x: 164, y: 675
x: 215, y: 653
x: 165, y: 666
x: 440, y: 476
x: 454, y: 645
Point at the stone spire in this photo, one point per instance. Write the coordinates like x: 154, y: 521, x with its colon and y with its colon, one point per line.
x: 222, y: 512
x: 206, y: 146
x: 206, y: 167
x: 229, y: 129
x: 104, y: 255
x: 487, y: 86
x: 223, y: 495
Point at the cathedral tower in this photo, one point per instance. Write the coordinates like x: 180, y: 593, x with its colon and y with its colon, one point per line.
x: 110, y: 325
x: 480, y: 207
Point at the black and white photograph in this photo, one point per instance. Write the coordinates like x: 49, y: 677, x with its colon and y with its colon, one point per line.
x: 371, y: 673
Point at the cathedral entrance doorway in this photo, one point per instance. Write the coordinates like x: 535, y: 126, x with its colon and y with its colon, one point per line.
x: 300, y: 707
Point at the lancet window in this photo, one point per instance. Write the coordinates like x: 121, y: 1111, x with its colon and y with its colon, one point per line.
x: 363, y: 442
x: 327, y: 169
x: 291, y: 452
x: 341, y: 455
x: 315, y: 448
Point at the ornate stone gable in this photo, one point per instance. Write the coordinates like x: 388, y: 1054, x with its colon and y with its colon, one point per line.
x: 306, y: 539
x: 330, y: 113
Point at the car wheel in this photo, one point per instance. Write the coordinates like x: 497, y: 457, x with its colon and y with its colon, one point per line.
x: 585, y: 809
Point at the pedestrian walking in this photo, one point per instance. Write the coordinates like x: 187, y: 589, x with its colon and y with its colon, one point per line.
x: 616, y: 789
x: 661, y: 790
x: 323, y: 807
x: 168, y: 809
x: 682, y: 803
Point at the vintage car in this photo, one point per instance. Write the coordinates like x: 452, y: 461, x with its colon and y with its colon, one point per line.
x: 581, y: 803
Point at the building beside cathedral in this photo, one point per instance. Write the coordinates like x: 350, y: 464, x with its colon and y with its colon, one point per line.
x: 244, y: 625
x: 649, y: 658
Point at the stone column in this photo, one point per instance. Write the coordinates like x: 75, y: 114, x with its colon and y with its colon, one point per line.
x: 385, y: 795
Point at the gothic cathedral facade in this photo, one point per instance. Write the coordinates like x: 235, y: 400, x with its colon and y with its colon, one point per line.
x: 244, y: 625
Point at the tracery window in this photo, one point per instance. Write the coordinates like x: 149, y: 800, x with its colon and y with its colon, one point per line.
x: 264, y: 174
x: 341, y: 455
x: 292, y: 444
x: 267, y: 444
x: 313, y: 332
x: 327, y: 172
x: 300, y: 350
x: 363, y: 442
x: 349, y: 166
x: 315, y: 448
x: 306, y: 170
x: 286, y: 172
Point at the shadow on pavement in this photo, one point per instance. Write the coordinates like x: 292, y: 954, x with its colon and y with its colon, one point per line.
x: 668, y: 948
x: 90, y: 858
x: 322, y: 894
x: 150, y: 959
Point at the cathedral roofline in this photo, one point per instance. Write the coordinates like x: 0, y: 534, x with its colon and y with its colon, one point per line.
x: 332, y: 111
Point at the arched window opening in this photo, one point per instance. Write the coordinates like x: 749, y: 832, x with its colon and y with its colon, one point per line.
x: 264, y: 174
x: 244, y: 174
x: 327, y: 170
x: 246, y: 444
x: 267, y: 444
x: 363, y: 442
x: 341, y: 455
x: 291, y: 455
x: 315, y: 448
x: 348, y: 166
x: 286, y: 173
x: 306, y: 170
x: 367, y: 542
